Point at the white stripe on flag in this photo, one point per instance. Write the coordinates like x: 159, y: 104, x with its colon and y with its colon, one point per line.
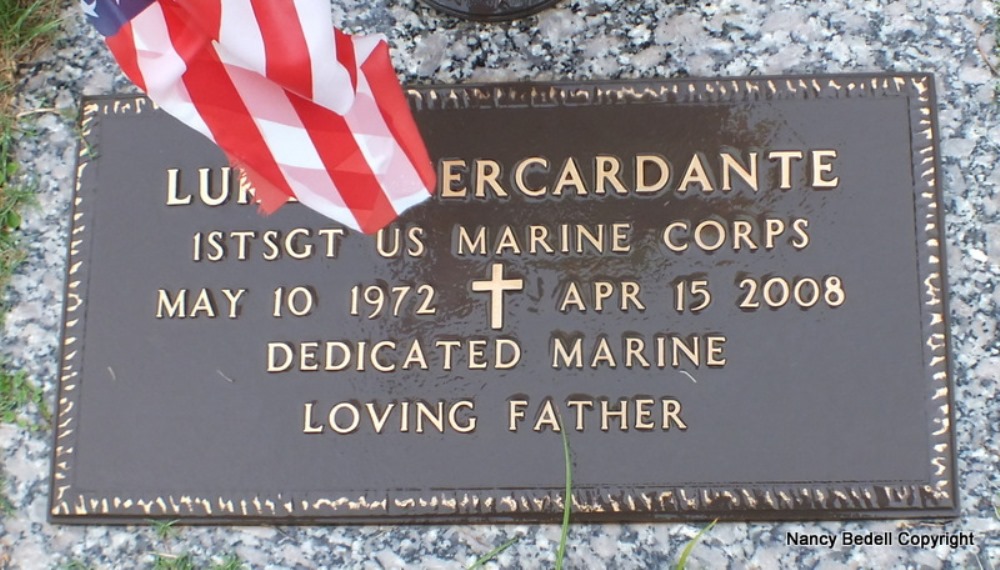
x: 401, y: 181
x: 330, y: 79
x: 365, y: 45
x: 162, y: 68
x: 240, y: 39
x: 289, y: 143
x: 396, y: 174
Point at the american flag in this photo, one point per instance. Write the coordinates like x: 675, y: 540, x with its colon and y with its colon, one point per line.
x: 303, y: 109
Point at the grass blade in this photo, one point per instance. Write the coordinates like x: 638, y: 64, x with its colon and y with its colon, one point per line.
x: 493, y: 553
x: 567, y: 497
x: 690, y: 545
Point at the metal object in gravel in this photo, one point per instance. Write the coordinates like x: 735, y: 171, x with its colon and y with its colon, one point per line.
x: 490, y: 10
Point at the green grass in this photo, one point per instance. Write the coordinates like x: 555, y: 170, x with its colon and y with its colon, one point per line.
x: 493, y: 553
x: 13, y: 197
x: 230, y: 562
x: 17, y: 392
x: 567, y: 509
x: 166, y: 561
x: 6, y: 506
x: 24, y: 26
x: 682, y: 561
x: 996, y: 49
x: 173, y: 562
x: 164, y: 530
x: 75, y: 565
x: 567, y: 497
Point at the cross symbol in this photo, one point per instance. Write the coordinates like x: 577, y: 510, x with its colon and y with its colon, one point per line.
x: 496, y: 285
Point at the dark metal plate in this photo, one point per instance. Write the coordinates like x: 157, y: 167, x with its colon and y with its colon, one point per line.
x: 759, y: 334
x: 490, y: 10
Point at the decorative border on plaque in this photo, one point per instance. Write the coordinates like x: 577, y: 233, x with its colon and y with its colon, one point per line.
x: 73, y: 324
x: 708, y: 499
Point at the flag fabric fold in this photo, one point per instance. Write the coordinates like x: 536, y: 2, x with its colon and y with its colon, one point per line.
x: 304, y: 110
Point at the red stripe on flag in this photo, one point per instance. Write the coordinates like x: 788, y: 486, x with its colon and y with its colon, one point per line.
x: 122, y: 45
x: 345, y: 55
x: 395, y: 110
x: 210, y: 13
x: 287, y: 53
x: 218, y: 102
x: 346, y: 165
x: 205, y: 14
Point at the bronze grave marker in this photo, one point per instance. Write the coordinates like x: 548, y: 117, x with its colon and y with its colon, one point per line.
x: 730, y: 293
